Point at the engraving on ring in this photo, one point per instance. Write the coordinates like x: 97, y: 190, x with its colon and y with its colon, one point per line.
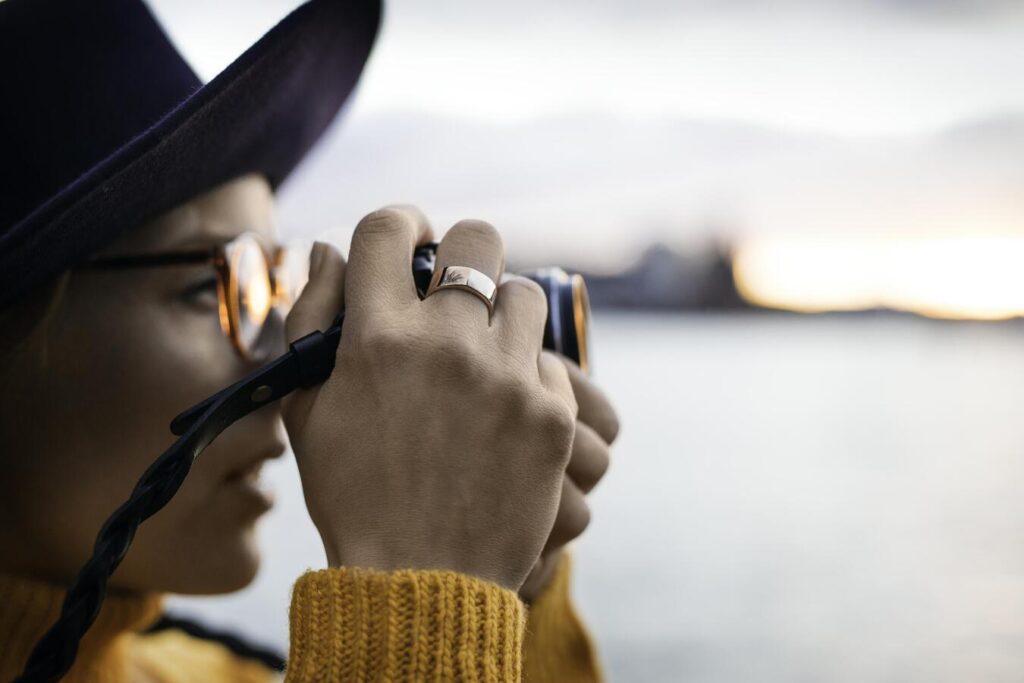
x: 467, y: 279
x: 452, y: 276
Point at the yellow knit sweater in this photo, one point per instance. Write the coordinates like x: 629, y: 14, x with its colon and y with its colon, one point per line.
x: 346, y: 625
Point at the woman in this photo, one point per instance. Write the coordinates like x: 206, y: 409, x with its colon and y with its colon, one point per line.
x: 444, y: 462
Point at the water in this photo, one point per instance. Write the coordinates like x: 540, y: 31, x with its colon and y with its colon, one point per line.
x: 792, y: 499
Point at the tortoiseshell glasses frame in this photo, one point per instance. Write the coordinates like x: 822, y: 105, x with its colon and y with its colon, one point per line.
x: 256, y: 285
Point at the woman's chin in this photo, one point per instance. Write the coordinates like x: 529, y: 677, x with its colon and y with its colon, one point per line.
x: 230, y: 568
x: 226, y: 566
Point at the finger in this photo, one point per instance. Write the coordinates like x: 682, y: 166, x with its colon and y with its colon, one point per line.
x: 477, y: 245
x: 595, y: 408
x: 540, y: 576
x: 315, y: 309
x: 520, y: 314
x: 572, y: 519
x: 380, y: 261
x: 555, y: 379
x: 590, y: 458
x: 323, y: 296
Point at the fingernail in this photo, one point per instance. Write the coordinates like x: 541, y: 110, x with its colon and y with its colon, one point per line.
x: 316, y: 258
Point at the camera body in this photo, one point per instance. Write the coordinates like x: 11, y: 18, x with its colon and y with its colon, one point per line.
x: 568, y: 322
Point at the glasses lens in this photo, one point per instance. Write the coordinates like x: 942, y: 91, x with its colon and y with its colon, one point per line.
x: 250, y: 297
x: 291, y: 273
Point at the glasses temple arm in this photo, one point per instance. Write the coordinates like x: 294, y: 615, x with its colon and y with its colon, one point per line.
x: 147, y: 260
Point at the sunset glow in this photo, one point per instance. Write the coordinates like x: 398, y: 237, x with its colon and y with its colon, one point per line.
x: 963, y: 277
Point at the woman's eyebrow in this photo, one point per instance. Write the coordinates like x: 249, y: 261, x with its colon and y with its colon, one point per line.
x: 209, y: 242
x: 198, y: 241
x: 199, y: 236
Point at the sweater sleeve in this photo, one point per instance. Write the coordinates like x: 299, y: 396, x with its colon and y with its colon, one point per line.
x: 364, y: 625
x: 557, y: 646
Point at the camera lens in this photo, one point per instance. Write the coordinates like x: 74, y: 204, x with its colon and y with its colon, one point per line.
x: 566, y: 331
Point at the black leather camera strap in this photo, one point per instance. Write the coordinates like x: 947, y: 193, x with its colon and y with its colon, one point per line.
x: 308, y: 362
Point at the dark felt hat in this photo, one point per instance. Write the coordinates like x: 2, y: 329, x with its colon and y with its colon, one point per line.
x: 103, y: 125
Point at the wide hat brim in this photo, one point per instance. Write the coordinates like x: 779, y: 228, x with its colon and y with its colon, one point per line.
x: 261, y: 114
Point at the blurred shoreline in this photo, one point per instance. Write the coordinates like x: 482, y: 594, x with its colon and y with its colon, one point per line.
x: 666, y: 281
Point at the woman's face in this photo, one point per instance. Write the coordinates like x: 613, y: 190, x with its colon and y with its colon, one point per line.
x: 124, y: 351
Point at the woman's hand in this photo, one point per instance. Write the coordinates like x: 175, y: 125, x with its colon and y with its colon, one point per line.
x: 597, y: 425
x: 441, y: 438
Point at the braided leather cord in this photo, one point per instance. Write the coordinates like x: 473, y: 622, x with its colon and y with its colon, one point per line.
x: 55, y: 652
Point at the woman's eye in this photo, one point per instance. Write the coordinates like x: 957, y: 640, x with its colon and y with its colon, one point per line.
x: 201, y: 293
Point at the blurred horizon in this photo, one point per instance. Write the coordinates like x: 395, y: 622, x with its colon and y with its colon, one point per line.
x: 588, y: 132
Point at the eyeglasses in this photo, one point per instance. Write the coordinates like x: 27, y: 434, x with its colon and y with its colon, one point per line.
x: 256, y: 286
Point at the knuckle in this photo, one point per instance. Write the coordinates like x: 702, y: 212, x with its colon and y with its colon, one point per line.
x: 531, y: 292
x: 597, y: 466
x: 380, y: 346
x: 451, y: 355
x: 555, y: 424
x: 553, y: 364
x: 474, y: 229
x: 577, y: 518
x: 608, y: 424
x: 514, y: 392
x: 604, y: 461
x: 556, y: 378
x: 457, y: 355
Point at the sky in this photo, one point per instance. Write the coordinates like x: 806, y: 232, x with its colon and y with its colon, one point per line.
x: 586, y: 130
x: 842, y: 66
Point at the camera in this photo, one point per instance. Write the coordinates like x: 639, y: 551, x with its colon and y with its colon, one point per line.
x: 568, y: 322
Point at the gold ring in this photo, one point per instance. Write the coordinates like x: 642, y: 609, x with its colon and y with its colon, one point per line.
x: 468, y: 279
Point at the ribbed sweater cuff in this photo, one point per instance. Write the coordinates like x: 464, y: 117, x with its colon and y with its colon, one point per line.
x: 363, y: 625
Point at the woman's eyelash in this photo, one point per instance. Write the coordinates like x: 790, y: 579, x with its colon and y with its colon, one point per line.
x: 201, y: 287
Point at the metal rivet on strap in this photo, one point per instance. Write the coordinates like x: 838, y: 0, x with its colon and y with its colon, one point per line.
x: 261, y: 394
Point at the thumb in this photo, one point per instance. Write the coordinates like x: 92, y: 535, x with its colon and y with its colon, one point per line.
x: 323, y: 296
x: 320, y: 301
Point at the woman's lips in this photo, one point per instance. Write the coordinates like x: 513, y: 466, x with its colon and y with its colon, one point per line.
x: 247, y: 484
